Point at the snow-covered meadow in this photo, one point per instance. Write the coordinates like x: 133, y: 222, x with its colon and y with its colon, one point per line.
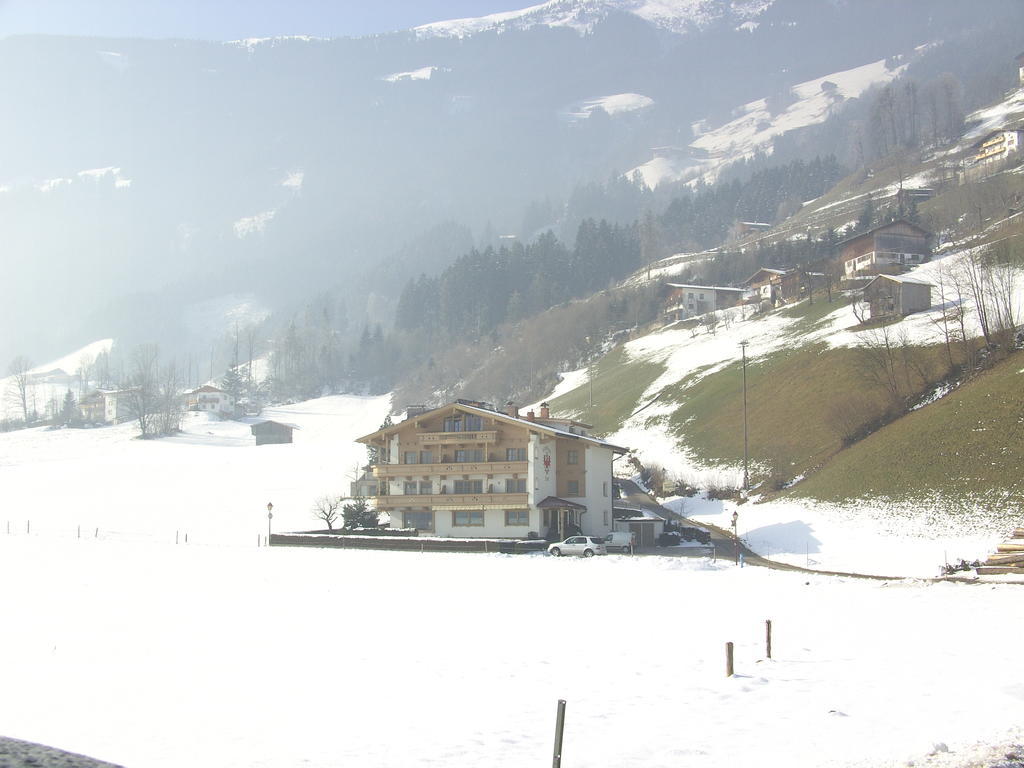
x: 151, y: 655
x: 148, y: 653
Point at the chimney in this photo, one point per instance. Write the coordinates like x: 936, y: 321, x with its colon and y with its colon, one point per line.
x: 530, y: 415
x: 511, y: 409
x: 545, y: 411
x: 414, y: 410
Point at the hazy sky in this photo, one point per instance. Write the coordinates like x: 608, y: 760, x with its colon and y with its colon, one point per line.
x: 233, y: 19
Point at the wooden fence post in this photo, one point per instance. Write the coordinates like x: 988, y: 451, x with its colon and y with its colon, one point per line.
x: 728, y: 660
x: 768, y: 637
x: 556, y: 761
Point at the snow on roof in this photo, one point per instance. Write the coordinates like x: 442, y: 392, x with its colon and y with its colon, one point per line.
x: 707, y: 287
x: 903, y: 279
x: 636, y: 514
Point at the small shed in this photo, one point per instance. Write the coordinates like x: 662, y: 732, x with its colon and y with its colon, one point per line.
x: 645, y: 525
x: 272, y: 432
x: 897, y: 295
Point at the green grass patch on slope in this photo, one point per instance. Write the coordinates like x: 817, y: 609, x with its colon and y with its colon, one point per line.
x: 966, y: 447
x: 788, y: 396
x: 619, y: 382
x: 798, y: 402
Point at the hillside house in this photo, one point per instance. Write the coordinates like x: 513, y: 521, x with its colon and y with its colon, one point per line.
x: 689, y: 300
x: 466, y: 470
x: 211, y: 400
x: 92, y: 408
x: 897, y: 295
x: 993, y: 152
x: 774, y: 286
x: 888, y: 249
x: 272, y: 432
x: 117, y: 406
x: 1020, y: 68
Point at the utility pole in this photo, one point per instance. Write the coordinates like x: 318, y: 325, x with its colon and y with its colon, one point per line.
x: 746, y: 473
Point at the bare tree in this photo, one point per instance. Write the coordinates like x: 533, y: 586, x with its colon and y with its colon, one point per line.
x: 143, y: 391
x: 170, y: 399
x: 328, y: 509
x: 19, y: 388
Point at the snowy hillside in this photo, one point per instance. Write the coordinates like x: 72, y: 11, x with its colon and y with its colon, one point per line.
x: 755, y: 126
x: 911, y: 540
x: 677, y: 16
x: 50, y: 381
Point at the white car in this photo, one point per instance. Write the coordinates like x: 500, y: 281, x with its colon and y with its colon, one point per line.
x: 587, y: 546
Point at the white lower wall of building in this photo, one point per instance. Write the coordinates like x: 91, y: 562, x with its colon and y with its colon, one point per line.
x: 494, y: 526
x: 597, y: 520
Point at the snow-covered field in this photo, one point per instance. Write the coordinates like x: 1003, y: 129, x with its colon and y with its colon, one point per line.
x: 137, y: 650
x: 211, y: 481
x: 153, y: 655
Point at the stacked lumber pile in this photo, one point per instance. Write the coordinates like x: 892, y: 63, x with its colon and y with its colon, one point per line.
x: 1009, y: 557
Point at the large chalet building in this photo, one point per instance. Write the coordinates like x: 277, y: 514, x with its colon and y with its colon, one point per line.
x: 467, y: 470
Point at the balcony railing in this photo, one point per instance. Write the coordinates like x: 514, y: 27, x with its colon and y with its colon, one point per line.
x: 442, y: 438
x: 452, y: 468
x: 454, y: 500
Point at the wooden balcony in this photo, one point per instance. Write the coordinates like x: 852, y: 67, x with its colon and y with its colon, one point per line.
x: 449, y: 438
x: 471, y: 468
x: 454, y: 501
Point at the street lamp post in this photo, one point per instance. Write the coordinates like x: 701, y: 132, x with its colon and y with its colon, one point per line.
x: 746, y: 473
x: 270, y: 516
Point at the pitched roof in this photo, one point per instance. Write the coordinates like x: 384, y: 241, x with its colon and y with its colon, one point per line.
x: 553, y: 502
x: 873, y: 230
x: 538, y: 425
x: 769, y: 270
x: 707, y: 287
x: 902, y: 279
x: 207, y: 388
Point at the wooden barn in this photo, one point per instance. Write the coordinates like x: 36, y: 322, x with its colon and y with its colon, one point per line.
x: 272, y: 432
x: 897, y: 295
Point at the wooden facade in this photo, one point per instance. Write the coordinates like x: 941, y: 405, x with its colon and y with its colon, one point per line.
x: 888, y: 249
x: 897, y: 296
x: 272, y: 432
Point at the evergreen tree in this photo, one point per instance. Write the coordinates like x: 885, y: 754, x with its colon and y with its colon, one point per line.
x: 68, y: 412
x: 233, y: 383
x: 357, y: 514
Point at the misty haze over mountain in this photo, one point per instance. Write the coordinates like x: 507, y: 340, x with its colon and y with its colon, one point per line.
x: 144, y: 181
